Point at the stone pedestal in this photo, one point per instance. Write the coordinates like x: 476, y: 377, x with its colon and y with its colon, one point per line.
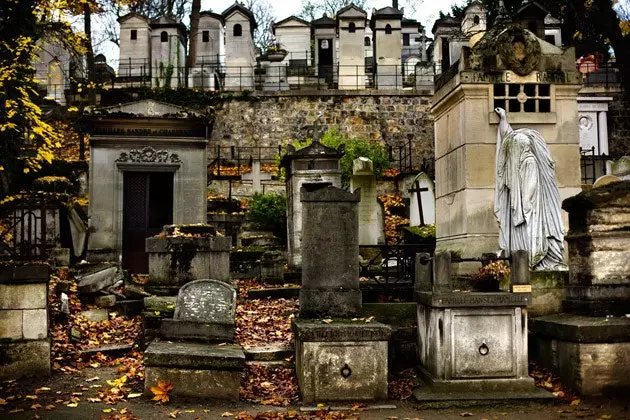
x: 272, y: 267
x: 177, y: 260
x: 24, y: 338
x: 471, y: 343
x: 344, y: 361
x: 204, y: 311
x: 195, y: 370
x: 339, y: 359
x: 588, y: 346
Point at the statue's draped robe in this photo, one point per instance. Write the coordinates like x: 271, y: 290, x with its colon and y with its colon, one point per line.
x: 527, y: 200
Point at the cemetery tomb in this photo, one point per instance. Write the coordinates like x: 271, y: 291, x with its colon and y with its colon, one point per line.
x: 538, y: 90
x: 147, y: 169
x: 351, y: 22
x: 371, y: 220
x: 472, y: 343
x: 309, y: 166
x: 588, y: 345
x: 204, y: 312
x: 336, y: 358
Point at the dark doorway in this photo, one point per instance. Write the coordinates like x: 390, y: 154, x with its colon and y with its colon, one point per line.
x: 147, y: 207
x: 325, y: 59
x: 446, y: 55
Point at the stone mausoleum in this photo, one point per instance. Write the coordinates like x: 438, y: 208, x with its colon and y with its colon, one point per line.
x: 537, y: 84
x: 147, y: 169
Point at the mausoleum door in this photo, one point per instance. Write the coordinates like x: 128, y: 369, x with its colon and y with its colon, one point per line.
x: 325, y: 59
x: 147, y: 207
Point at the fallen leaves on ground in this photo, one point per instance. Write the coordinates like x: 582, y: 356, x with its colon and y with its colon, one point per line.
x: 161, y: 391
x: 67, y: 349
x: 294, y: 415
x: 401, y: 386
x: 263, y: 322
x: 550, y: 382
x: 269, y: 385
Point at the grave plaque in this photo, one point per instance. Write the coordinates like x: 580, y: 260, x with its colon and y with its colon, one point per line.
x: 205, y: 311
x: 206, y: 301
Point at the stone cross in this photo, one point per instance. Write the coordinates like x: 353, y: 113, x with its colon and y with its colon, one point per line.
x: 416, y: 189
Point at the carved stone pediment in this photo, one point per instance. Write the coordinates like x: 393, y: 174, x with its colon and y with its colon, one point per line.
x: 148, y: 155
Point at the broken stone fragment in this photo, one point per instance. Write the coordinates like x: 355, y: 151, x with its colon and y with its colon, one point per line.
x: 99, y: 280
x: 106, y: 301
x: 96, y: 315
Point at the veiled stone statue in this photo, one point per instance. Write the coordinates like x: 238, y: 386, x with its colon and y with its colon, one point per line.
x: 527, y: 200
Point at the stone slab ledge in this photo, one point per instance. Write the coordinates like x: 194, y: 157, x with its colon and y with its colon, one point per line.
x: 195, y: 356
x: 23, y: 274
x: 582, y: 329
x: 473, y: 299
x: 340, y: 330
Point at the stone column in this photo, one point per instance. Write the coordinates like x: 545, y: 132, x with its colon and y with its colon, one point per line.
x: 330, y: 249
x: 370, y: 215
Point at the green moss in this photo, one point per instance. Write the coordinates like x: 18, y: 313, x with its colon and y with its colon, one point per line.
x: 425, y: 232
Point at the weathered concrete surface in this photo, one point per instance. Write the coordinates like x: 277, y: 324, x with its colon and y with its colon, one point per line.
x: 547, y: 292
x: 341, y: 360
x: 330, y: 246
x: 202, y: 384
x: 599, y: 245
x: 92, y: 283
x: 174, y: 261
x: 207, y: 331
x: 26, y: 358
x: 589, y: 368
x: 195, y: 370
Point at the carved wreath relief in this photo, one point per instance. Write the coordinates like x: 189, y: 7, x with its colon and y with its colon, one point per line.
x: 148, y: 155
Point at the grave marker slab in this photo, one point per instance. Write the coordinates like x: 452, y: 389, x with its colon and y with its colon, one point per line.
x: 205, y: 310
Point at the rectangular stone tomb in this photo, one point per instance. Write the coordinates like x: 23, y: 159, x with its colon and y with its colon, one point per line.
x: 344, y: 361
x: 176, y: 260
x: 473, y: 342
x: 205, y: 311
x: 590, y: 354
x: 195, y: 370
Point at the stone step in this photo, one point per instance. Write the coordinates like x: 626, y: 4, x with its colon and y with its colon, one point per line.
x: 109, y: 349
x: 274, y: 292
x: 268, y: 353
x: 426, y: 398
x: 273, y: 363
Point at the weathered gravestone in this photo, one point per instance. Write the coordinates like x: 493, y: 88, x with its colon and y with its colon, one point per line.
x: 340, y: 359
x: 371, y: 222
x: 204, y: 311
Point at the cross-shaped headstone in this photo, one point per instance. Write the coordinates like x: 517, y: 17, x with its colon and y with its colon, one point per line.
x: 416, y: 189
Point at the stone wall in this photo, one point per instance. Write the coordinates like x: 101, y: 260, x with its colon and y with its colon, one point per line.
x: 24, y: 338
x: 619, y: 126
x: 277, y: 118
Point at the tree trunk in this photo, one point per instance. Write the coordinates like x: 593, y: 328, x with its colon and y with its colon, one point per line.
x: 194, y: 29
x: 87, y: 25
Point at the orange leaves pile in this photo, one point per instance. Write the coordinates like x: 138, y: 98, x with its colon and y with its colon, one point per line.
x: 66, y: 350
x: 265, y: 322
x: 161, y: 391
x: 269, y: 385
x: 401, y: 386
x: 393, y: 205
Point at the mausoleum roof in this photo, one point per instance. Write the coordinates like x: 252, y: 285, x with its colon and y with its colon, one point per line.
x: 212, y: 14
x: 324, y: 21
x: 132, y: 15
x: 351, y: 11
x: 239, y: 8
x: 387, y: 12
x: 447, y: 21
x: 283, y: 22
